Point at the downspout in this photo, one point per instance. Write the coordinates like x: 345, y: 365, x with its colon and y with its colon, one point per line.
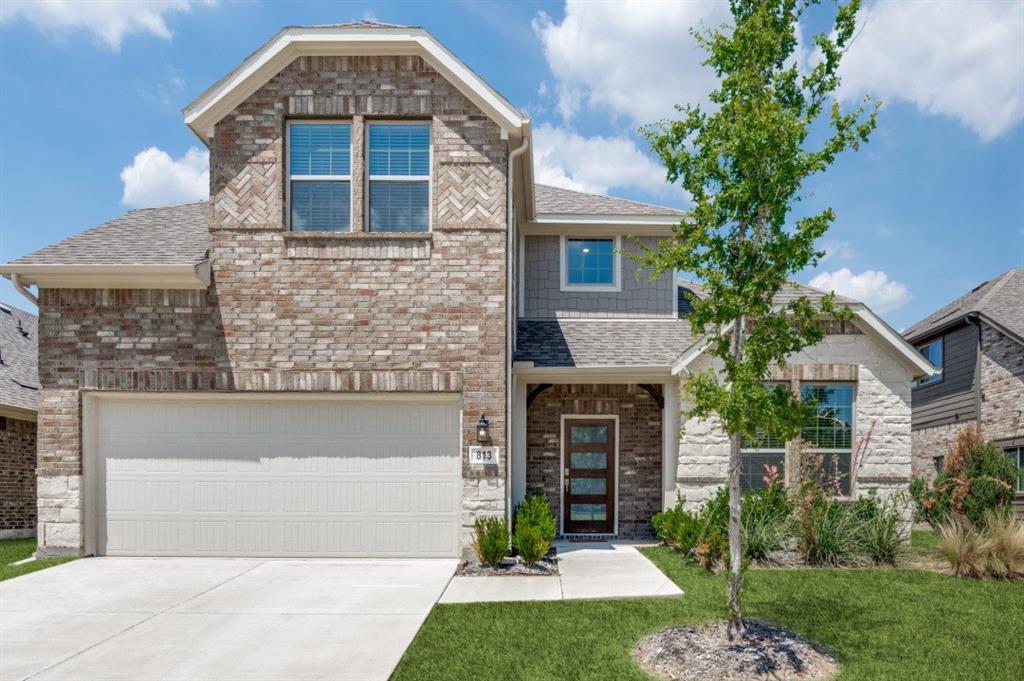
x: 510, y: 320
x: 972, y: 319
x: 20, y: 288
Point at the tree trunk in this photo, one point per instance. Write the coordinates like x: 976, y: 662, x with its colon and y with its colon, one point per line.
x: 736, y: 624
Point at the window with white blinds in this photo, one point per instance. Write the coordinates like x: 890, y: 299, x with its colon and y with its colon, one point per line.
x: 399, y: 177
x: 320, y: 176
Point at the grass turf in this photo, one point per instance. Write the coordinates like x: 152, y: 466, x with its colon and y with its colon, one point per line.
x: 888, y: 624
x: 13, y: 550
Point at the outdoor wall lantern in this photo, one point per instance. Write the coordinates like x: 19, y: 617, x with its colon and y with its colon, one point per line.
x: 483, y: 431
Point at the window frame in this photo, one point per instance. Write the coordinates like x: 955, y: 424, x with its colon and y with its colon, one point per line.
x: 563, y: 264
x: 1017, y: 453
x: 316, y: 178
x: 368, y: 178
x: 934, y: 378
x: 828, y: 451
x: 745, y: 449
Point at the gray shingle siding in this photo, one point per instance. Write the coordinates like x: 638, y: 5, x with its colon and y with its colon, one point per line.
x: 544, y: 298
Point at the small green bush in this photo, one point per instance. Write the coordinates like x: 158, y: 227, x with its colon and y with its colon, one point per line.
x: 535, y: 528
x: 677, y: 528
x: 491, y: 541
x: 883, y: 528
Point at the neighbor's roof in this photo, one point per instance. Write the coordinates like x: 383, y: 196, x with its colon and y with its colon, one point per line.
x: 149, y: 236
x: 19, y: 358
x: 557, y: 201
x: 604, y: 342
x: 999, y: 300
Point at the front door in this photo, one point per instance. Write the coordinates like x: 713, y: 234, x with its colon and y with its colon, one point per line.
x: 589, y: 485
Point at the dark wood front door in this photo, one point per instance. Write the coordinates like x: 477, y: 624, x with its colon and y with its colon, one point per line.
x: 589, y: 467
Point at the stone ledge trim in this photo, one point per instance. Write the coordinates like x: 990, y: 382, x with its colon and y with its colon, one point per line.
x: 360, y: 246
x: 700, y: 480
x: 259, y: 380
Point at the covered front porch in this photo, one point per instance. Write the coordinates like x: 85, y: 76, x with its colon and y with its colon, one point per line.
x: 601, y: 444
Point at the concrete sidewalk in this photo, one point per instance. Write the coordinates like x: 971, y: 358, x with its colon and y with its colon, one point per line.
x: 586, y: 571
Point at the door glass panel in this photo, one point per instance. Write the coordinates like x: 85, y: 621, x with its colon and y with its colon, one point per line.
x: 588, y: 434
x: 585, y: 512
x: 592, y: 460
x: 597, y: 486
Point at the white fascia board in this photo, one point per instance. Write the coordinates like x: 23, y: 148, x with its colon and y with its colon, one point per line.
x: 203, y: 113
x: 174, y: 276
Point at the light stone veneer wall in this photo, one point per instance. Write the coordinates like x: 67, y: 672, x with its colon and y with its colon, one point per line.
x: 882, y: 398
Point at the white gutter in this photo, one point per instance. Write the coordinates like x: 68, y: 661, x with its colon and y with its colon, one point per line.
x: 20, y: 288
x: 510, y: 320
x: 54, y: 275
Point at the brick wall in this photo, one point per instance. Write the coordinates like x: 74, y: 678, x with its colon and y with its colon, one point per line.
x: 1002, y: 386
x: 881, y: 408
x: 17, y: 478
x: 640, y: 444
x: 545, y: 299
x: 352, y: 312
x: 929, y: 443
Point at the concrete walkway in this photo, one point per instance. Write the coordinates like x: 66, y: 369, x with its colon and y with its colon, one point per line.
x: 586, y: 571
x: 192, y: 619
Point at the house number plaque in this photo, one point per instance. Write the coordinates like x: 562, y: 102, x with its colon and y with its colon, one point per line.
x: 484, y: 456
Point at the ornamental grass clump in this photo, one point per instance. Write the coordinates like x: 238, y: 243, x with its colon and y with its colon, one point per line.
x: 961, y: 545
x: 491, y: 542
x: 1004, y: 541
x: 884, y: 530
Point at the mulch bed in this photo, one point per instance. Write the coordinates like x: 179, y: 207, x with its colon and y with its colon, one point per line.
x: 513, y: 565
x: 705, y: 654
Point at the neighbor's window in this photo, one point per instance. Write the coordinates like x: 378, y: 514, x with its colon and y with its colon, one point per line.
x: 1016, y: 454
x: 590, y: 262
x: 762, y: 459
x: 933, y: 353
x: 829, y: 432
x: 320, y: 177
x: 399, y: 170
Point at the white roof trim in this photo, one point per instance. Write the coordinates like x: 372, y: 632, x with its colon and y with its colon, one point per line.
x: 866, y: 320
x: 219, y: 100
x: 177, y: 276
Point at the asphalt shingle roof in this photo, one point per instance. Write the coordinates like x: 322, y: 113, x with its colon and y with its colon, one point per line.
x: 1001, y: 299
x: 173, y: 235
x: 19, y: 358
x: 605, y: 342
x: 567, y: 202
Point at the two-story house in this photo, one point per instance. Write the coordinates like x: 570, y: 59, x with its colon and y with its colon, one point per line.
x: 978, y: 341
x: 379, y: 329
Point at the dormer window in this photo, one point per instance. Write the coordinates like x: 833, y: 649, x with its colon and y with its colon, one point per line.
x: 590, y: 264
x: 320, y: 176
x: 399, y: 177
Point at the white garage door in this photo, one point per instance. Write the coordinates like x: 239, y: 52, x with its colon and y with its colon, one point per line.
x: 244, y: 477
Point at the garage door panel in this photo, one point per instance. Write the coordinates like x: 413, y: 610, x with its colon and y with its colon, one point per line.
x: 269, y: 478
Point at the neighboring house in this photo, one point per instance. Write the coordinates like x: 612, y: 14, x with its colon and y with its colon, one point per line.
x: 978, y: 341
x: 19, y: 384
x: 306, y: 364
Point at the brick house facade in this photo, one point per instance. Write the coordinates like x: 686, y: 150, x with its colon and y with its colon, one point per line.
x: 19, y: 384
x: 219, y: 317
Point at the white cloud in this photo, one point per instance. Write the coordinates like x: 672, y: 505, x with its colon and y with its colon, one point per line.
x: 837, y: 250
x: 632, y: 58
x: 963, y: 59
x: 871, y: 287
x: 108, y: 20
x: 564, y: 158
x: 155, y: 179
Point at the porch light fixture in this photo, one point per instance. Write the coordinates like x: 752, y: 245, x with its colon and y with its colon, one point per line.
x: 483, y: 431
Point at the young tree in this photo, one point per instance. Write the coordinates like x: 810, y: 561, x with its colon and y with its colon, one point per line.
x: 743, y: 162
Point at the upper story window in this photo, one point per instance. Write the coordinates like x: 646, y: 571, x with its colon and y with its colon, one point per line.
x: 829, y: 432
x: 933, y: 353
x: 399, y: 177
x: 590, y: 264
x: 320, y: 176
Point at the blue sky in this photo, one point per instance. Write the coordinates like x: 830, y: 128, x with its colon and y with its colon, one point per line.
x: 933, y: 206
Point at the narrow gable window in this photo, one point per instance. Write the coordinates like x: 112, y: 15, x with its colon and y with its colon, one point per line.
x: 399, y: 170
x: 589, y: 265
x: 320, y: 177
x: 933, y: 353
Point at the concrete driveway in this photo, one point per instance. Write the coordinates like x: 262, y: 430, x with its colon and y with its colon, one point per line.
x: 198, y: 619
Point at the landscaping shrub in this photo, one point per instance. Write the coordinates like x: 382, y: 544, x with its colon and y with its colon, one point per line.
x: 960, y: 544
x: 535, y: 529
x: 1004, y: 541
x: 491, y: 541
x: 978, y: 477
x: 765, y: 518
x: 677, y: 528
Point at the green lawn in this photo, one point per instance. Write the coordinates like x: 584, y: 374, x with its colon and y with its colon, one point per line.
x: 13, y: 550
x: 881, y: 624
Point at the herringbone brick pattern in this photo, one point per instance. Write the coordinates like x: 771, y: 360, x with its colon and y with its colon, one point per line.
x: 466, y: 194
